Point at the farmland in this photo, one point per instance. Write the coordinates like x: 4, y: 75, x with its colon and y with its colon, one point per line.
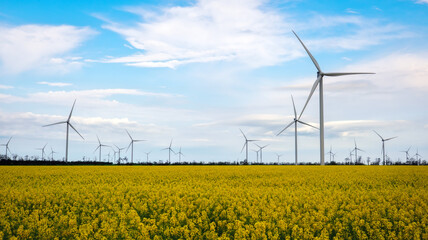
x: 211, y: 202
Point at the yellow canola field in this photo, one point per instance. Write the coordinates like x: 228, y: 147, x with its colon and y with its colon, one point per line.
x: 213, y: 202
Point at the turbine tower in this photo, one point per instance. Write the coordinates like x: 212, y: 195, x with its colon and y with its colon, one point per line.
x: 7, y: 146
x: 100, y: 146
x: 246, y: 146
x: 278, y: 156
x: 331, y: 154
x: 319, y: 81
x: 295, y: 121
x: 261, y: 151
x: 383, y: 145
x: 418, y: 157
x: 131, y: 144
x: 356, y: 149
x: 43, y: 151
x: 257, y: 154
x: 147, y: 156
x: 169, y: 151
x: 52, y: 153
x: 68, y: 125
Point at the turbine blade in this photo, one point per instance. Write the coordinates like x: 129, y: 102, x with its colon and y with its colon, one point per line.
x: 139, y: 140
x: 342, y: 74
x: 311, y: 93
x: 128, y: 146
x: 252, y: 140
x: 243, y: 147
x: 243, y: 134
x: 71, y: 112
x: 170, y: 144
x: 307, y: 124
x: 390, y: 138
x: 98, y: 140
x: 294, y: 107
x: 97, y: 148
x: 378, y: 134
x: 285, y: 128
x: 309, y: 53
x: 9, y: 141
x: 128, y: 134
x: 54, y: 123
x: 76, y: 131
x: 172, y: 151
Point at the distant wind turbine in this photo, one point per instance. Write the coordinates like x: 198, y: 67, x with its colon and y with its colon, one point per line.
x: 295, y: 121
x: 319, y: 81
x: 100, y: 146
x: 278, y: 156
x: 407, y: 153
x: 179, y: 155
x: 131, y: 144
x: 119, y: 149
x: 43, y: 151
x: 331, y: 154
x: 7, y: 146
x: 383, y: 145
x: 52, y: 153
x: 169, y: 151
x: 356, y: 149
x: 68, y: 125
x: 418, y: 157
x: 147, y: 155
x: 261, y: 151
x: 246, y: 146
x: 257, y: 154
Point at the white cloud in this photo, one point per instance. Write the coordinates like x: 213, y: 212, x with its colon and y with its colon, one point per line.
x: 422, y: 1
x: 5, y: 87
x: 55, y: 84
x: 28, y: 47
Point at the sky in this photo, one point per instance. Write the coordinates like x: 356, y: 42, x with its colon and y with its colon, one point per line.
x: 196, y: 72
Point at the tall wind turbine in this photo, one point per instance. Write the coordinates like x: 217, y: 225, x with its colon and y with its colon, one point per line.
x: 68, y: 125
x: 319, y: 81
x: 261, y: 151
x: 131, y: 144
x: 43, y: 151
x: 100, y: 146
x: 246, y: 146
x: 7, y: 146
x: 118, y: 150
x: 383, y: 145
x: 295, y: 121
x: 356, y: 149
x: 169, y: 151
x: 407, y: 153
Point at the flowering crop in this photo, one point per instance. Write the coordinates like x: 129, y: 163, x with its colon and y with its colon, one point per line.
x: 214, y: 202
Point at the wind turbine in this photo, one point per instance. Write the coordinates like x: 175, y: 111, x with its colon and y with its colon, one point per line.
x: 100, y: 146
x: 295, y: 121
x: 319, y: 81
x: 7, y: 146
x: 52, y: 153
x: 331, y: 154
x: 261, y: 151
x: 68, y: 125
x: 278, y: 156
x: 257, y: 153
x: 350, y: 157
x: 246, y: 146
x: 118, y: 149
x: 43, y: 151
x: 383, y: 145
x: 418, y: 157
x: 179, y: 155
x: 407, y: 153
x: 131, y: 144
x: 356, y: 149
x: 147, y: 155
x: 169, y: 152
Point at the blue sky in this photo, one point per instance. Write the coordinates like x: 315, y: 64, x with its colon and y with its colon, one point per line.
x: 198, y: 71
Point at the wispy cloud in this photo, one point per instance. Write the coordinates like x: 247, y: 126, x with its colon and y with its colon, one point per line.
x: 422, y: 1
x: 28, y: 47
x: 55, y: 84
x: 5, y: 87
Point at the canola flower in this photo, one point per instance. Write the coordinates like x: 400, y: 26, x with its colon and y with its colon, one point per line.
x: 213, y: 202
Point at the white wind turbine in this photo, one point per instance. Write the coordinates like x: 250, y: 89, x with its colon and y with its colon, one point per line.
x: 261, y: 151
x: 295, y: 121
x: 147, y: 156
x: 68, y: 125
x: 43, y: 151
x: 407, y: 153
x: 7, y: 146
x: 52, y: 153
x: 257, y: 154
x: 118, y: 150
x: 418, y: 157
x: 356, y: 149
x: 179, y: 155
x: 246, y: 146
x: 331, y: 154
x: 169, y: 151
x: 383, y: 145
x: 131, y: 144
x: 319, y: 81
x: 99, y: 147
x: 278, y: 156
